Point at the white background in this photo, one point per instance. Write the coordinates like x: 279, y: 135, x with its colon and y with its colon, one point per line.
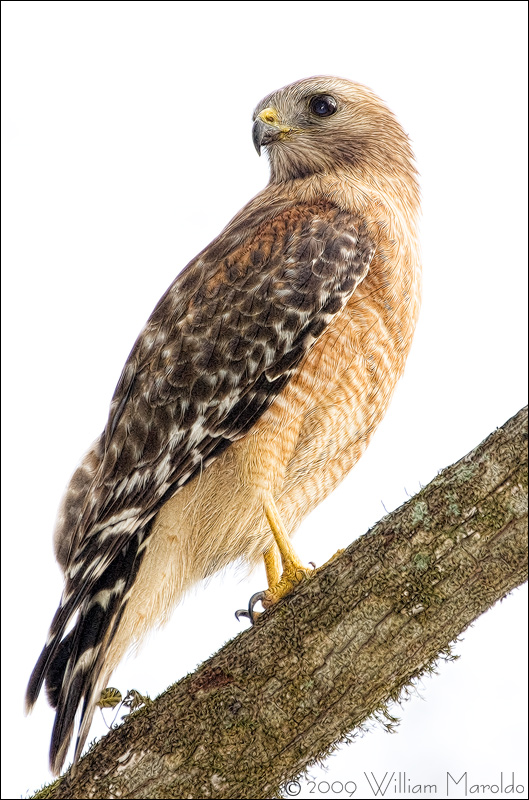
x: 127, y: 147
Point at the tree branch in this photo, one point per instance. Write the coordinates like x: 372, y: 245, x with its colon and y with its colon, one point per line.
x: 280, y: 695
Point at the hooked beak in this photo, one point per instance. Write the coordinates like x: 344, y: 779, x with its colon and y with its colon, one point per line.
x: 267, y: 128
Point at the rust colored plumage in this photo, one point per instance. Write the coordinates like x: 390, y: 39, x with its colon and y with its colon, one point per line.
x: 253, y: 389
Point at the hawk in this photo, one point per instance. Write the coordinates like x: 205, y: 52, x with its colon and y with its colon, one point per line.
x: 252, y: 390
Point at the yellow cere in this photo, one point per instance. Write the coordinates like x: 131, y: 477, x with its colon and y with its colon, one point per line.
x: 271, y: 117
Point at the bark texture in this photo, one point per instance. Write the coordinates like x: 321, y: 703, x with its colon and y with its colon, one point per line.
x: 280, y: 695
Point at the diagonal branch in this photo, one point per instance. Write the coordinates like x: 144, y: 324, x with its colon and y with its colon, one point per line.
x: 278, y: 696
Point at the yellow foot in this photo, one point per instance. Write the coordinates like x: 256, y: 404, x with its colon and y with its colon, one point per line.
x: 288, y: 581
x: 290, y: 578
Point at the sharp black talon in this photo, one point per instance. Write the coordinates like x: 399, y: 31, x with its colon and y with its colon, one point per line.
x: 250, y: 613
x: 312, y: 564
x: 253, y: 600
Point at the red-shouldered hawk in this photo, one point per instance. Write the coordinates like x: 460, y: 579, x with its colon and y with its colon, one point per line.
x: 253, y: 389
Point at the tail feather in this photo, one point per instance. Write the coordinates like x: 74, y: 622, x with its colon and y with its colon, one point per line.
x: 51, y: 662
x: 73, y: 666
x: 56, y: 669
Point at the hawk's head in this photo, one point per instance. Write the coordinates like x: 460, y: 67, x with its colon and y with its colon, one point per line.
x: 324, y: 124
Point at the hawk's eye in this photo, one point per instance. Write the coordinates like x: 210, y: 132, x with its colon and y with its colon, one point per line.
x: 323, y: 105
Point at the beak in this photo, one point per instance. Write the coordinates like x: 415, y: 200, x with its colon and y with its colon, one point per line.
x: 267, y: 128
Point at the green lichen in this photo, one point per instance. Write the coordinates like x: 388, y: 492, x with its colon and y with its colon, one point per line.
x: 419, y: 513
x: 453, y: 504
x: 421, y: 561
x: 463, y: 472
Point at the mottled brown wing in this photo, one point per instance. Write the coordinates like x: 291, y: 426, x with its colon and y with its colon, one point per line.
x: 219, y: 347
x: 217, y: 350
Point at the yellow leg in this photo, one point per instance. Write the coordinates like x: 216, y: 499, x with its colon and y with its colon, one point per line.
x: 293, y: 569
x: 279, y: 555
x: 288, y: 555
x: 272, y: 564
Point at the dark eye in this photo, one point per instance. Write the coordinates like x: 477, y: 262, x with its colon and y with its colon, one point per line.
x: 323, y: 105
